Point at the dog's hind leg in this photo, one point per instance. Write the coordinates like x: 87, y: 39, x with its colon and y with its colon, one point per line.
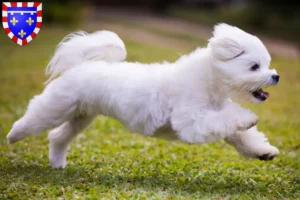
x: 46, y: 111
x: 61, y: 137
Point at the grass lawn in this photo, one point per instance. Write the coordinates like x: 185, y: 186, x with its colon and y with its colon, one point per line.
x: 109, y: 162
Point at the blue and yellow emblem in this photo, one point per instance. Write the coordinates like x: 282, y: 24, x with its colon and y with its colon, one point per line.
x: 22, y: 21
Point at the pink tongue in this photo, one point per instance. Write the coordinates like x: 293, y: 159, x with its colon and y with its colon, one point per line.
x: 265, y: 94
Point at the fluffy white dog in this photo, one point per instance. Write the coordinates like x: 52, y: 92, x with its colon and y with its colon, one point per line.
x: 191, y: 96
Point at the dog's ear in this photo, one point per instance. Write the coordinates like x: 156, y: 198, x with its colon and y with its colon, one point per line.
x: 225, y: 48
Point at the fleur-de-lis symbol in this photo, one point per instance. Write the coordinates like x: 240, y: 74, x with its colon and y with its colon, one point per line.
x: 29, y: 21
x: 14, y: 21
x: 22, y: 33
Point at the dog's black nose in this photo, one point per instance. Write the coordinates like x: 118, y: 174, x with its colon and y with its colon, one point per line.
x: 275, y: 78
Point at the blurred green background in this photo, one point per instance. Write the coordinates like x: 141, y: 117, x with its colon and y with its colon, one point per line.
x: 108, y: 162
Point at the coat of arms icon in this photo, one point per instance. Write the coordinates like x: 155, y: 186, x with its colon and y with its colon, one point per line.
x: 22, y: 20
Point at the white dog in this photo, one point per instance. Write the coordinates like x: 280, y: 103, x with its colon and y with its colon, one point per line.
x: 191, y: 96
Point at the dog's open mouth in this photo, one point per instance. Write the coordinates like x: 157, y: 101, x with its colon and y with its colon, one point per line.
x: 260, y: 94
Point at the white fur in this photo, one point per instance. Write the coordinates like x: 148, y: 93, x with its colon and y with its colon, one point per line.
x: 192, y: 96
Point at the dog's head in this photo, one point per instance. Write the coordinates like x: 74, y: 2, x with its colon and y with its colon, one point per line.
x: 241, y: 62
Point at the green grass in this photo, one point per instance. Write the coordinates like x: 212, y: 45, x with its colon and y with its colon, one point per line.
x: 109, y: 162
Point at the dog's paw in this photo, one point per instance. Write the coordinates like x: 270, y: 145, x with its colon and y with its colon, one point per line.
x: 58, y: 162
x: 246, y: 121
x: 17, y: 133
x: 57, y: 156
x: 261, y: 152
x: 268, y: 154
x: 240, y: 118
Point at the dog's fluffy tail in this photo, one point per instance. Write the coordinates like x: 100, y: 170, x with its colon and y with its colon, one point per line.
x: 78, y: 47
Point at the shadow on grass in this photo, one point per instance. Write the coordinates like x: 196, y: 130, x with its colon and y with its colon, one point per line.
x: 85, y: 178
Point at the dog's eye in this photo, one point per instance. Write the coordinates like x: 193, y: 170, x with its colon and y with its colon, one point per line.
x: 254, y: 67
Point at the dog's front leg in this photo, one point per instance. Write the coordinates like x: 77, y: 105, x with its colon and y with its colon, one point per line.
x: 252, y: 144
x: 231, y: 118
x: 201, y: 125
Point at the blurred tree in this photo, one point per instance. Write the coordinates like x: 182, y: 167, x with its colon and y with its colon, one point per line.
x: 282, y: 17
x: 66, y: 12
